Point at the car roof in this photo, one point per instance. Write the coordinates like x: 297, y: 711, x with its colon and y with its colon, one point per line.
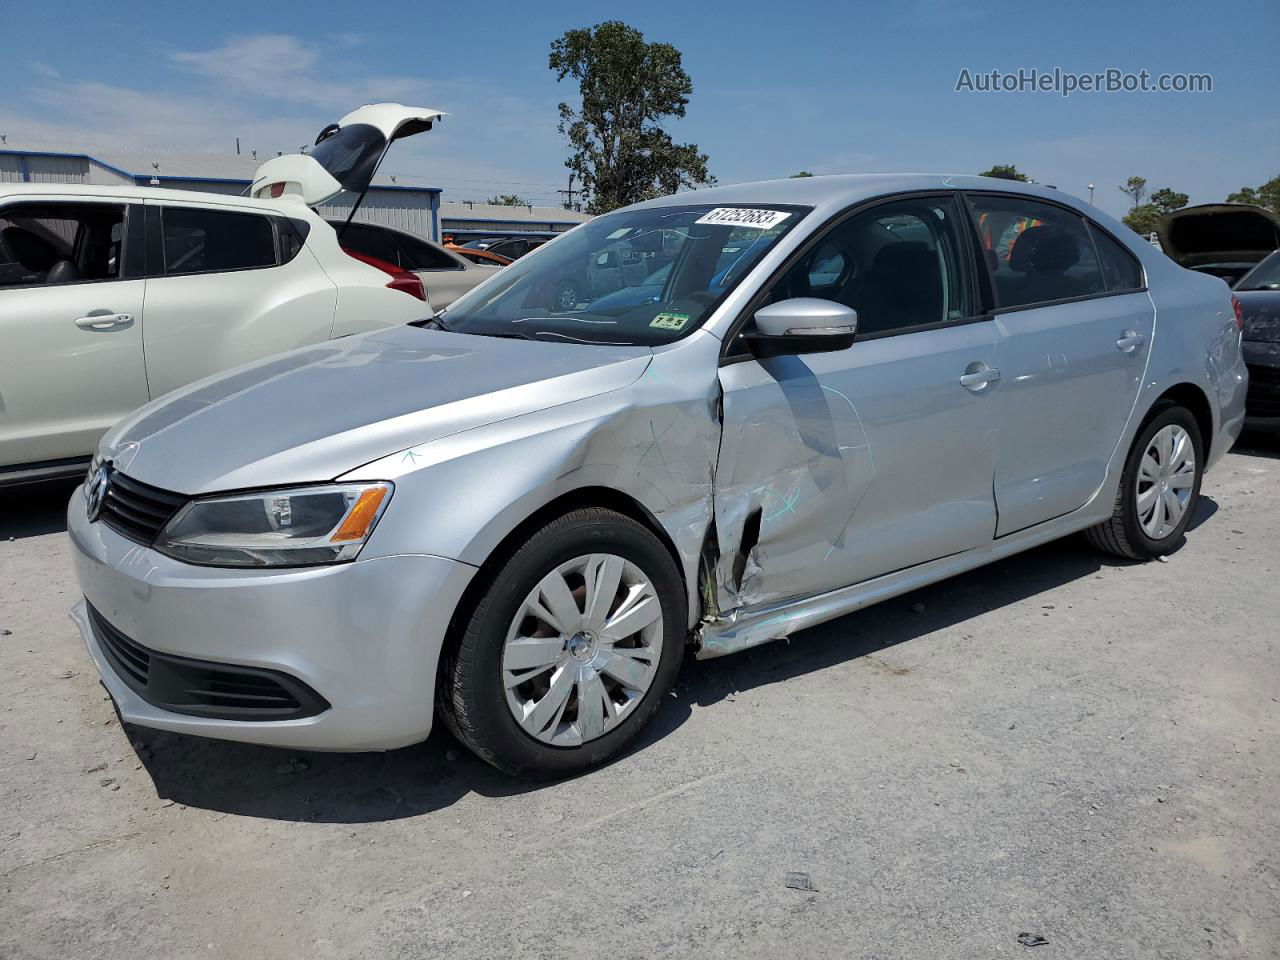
x: 841, y: 190
x: 131, y: 192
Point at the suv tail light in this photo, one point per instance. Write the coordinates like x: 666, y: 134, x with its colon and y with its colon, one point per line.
x: 1238, y: 307
x: 401, y: 279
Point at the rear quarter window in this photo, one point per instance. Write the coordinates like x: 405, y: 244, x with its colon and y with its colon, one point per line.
x: 213, y: 241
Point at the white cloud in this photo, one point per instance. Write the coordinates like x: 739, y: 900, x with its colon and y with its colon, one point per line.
x: 274, y: 92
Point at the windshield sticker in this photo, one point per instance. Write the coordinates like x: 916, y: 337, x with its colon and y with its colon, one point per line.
x: 619, y: 233
x: 743, y: 217
x: 670, y: 321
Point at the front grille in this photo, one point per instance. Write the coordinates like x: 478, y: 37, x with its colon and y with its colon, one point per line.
x: 137, y: 510
x: 202, y: 688
x: 1263, y: 399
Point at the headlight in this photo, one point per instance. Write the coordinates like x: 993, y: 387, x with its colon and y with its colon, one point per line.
x: 276, y: 528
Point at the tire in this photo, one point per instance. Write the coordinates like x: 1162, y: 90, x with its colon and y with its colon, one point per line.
x: 1125, y: 534
x: 514, y: 656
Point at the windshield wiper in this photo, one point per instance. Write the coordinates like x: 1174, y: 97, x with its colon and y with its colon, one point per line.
x: 427, y: 323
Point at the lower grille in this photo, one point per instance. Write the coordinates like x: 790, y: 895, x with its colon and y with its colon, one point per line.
x: 1263, y: 399
x: 202, y: 688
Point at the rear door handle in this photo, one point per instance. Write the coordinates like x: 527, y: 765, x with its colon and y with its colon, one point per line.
x: 1131, y: 341
x: 978, y: 377
x: 104, y: 321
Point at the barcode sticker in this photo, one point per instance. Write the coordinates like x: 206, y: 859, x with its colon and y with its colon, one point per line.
x: 743, y: 217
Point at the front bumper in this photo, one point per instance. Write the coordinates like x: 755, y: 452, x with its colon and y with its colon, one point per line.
x: 366, y: 636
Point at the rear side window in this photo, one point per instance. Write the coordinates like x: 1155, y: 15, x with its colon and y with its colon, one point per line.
x: 211, y: 241
x: 57, y: 243
x: 1035, y: 252
x: 371, y: 242
x: 417, y: 255
x: 1120, y: 268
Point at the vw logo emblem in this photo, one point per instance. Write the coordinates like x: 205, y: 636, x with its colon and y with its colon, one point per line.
x: 96, y: 491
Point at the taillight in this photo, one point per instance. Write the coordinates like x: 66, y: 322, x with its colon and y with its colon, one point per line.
x: 1238, y: 307
x: 277, y: 190
x: 401, y: 279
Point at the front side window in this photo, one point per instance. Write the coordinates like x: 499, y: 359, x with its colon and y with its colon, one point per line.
x: 55, y: 243
x: 210, y: 241
x: 645, y: 276
x: 900, y: 265
x: 1035, y: 252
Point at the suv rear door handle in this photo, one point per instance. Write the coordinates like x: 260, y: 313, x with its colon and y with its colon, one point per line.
x: 104, y: 321
x: 1131, y: 341
x: 978, y: 376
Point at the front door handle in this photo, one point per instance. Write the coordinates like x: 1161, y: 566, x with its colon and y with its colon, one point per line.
x: 978, y: 376
x: 1131, y: 341
x: 104, y: 321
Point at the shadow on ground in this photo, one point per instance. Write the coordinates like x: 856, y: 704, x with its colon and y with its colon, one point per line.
x: 36, y: 510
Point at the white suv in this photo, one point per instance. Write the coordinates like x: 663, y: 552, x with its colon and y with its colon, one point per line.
x: 113, y: 296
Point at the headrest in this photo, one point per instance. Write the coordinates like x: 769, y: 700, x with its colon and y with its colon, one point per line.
x: 1044, y: 249
x: 29, y: 249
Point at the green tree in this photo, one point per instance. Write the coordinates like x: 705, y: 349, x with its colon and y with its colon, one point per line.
x: 1005, y: 171
x: 1267, y: 195
x: 1143, y: 218
x: 508, y: 200
x: 627, y: 86
x: 1166, y: 200
x: 1135, y: 188
x: 802, y: 173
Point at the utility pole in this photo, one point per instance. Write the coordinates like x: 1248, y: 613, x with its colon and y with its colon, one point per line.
x: 568, y: 203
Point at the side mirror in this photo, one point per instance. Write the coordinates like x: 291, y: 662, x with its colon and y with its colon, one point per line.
x: 802, y: 325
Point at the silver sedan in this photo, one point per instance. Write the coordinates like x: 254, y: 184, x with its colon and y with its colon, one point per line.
x: 762, y: 407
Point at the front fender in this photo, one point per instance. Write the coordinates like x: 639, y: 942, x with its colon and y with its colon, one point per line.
x: 654, y: 441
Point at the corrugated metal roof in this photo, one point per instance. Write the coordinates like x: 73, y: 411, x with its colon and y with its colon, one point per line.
x: 186, y: 165
x: 495, y: 211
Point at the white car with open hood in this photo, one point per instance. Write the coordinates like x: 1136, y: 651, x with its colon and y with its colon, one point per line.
x: 113, y: 296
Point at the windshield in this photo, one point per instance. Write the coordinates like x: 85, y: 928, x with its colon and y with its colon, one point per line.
x: 646, y: 276
x: 1265, y: 276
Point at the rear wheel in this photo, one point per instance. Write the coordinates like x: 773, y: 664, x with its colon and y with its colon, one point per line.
x: 1158, y: 490
x: 569, y: 650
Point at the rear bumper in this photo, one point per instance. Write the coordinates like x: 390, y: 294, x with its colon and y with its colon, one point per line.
x: 1262, y: 405
x: 365, y: 636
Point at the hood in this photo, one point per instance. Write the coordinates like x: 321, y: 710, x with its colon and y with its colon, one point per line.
x: 1223, y: 233
x: 1261, y: 314
x: 314, y: 414
x: 346, y: 154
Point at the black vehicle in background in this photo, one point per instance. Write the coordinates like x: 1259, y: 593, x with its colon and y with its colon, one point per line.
x: 1258, y: 293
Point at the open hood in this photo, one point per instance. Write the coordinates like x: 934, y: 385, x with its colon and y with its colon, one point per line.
x: 346, y: 154
x: 1219, y: 233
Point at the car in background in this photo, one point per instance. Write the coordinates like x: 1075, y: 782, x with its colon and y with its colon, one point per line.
x: 1221, y: 239
x: 522, y: 515
x: 445, y: 275
x: 481, y: 256
x: 113, y: 296
x: 1258, y: 296
x: 511, y: 247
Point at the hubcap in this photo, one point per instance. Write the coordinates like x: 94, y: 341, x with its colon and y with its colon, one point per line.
x: 582, y: 649
x: 1166, y: 476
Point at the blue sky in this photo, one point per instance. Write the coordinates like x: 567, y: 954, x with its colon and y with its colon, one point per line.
x: 825, y: 86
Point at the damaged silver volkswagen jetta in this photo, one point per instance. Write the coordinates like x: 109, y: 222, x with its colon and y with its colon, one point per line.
x: 708, y: 420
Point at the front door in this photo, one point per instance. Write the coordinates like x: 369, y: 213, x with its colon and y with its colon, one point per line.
x: 838, y: 467
x: 71, y: 360
x: 1076, y: 329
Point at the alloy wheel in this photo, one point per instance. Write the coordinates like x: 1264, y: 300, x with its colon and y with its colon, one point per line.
x: 582, y: 649
x: 1166, y: 477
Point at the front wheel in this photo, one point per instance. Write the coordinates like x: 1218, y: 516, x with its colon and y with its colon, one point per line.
x: 569, y: 649
x: 1158, y: 490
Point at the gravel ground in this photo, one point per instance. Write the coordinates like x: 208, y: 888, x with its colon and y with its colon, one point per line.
x: 1056, y: 745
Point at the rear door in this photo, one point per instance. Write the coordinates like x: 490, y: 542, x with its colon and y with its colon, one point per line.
x: 71, y: 324
x: 228, y: 285
x: 1076, y: 326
